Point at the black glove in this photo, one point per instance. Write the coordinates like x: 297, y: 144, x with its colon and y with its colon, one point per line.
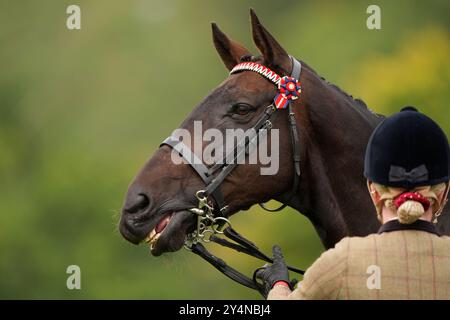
x: 269, y: 275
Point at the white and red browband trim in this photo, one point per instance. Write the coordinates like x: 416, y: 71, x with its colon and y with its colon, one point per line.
x: 289, y: 88
x: 258, y: 68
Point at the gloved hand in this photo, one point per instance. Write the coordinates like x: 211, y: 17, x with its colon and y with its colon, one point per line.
x: 269, y: 275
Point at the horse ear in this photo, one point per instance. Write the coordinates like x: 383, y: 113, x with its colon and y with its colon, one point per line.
x: 229, y: 50
x: 274, y: 55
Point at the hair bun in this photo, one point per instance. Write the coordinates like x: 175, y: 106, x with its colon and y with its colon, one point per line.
x: 410, y: 211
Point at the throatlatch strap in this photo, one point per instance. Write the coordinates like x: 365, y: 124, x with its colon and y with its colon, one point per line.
x: 295, y: 142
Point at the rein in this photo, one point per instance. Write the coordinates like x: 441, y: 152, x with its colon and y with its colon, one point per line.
x: 211, y: 219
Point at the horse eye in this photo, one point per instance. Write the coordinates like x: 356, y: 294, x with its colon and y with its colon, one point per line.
x: 242, y: 109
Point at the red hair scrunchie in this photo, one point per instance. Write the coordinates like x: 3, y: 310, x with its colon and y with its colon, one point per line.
x: 414, y: 196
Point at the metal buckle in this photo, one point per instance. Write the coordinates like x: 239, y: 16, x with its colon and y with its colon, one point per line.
x: 207, y: 224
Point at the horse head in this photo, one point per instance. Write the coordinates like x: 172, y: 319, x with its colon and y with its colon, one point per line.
x: 160, y: 195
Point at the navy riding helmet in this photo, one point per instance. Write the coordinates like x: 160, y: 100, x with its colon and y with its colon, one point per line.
x: 407, y: 150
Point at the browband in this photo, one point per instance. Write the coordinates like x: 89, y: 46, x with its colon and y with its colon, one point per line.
x: 289, y: 87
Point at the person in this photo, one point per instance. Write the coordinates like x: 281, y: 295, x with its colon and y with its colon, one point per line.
x: 408, y: 171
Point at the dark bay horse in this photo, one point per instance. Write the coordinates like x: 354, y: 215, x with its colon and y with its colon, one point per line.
x: 333, y: 129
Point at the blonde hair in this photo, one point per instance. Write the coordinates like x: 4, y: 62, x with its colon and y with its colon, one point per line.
x: 410, y: 210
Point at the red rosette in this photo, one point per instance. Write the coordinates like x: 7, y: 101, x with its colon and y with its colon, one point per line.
x: 289, y: 88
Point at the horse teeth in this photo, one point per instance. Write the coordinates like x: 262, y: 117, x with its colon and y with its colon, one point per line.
x: 154, y: 240
x: 150, y: 236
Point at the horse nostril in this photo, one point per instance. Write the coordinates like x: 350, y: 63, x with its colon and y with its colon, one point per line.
x: 139, y: 204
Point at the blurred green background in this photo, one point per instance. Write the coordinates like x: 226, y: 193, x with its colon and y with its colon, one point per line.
x: 82, y: 110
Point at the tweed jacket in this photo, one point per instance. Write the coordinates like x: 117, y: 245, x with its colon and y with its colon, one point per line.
x: 399, y: 262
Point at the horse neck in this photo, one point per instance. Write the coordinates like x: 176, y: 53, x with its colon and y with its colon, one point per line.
x: 334, y: 131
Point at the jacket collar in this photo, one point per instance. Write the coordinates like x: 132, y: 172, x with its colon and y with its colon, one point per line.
x: 421, y: 225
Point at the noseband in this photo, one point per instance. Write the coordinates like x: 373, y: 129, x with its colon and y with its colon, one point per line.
x: 211, y: 217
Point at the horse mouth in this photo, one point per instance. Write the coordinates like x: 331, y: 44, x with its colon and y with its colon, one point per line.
x: 156, y: 232
x: 170, y: 232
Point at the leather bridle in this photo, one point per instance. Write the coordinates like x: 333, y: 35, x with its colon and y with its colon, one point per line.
x: 212, y: 216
